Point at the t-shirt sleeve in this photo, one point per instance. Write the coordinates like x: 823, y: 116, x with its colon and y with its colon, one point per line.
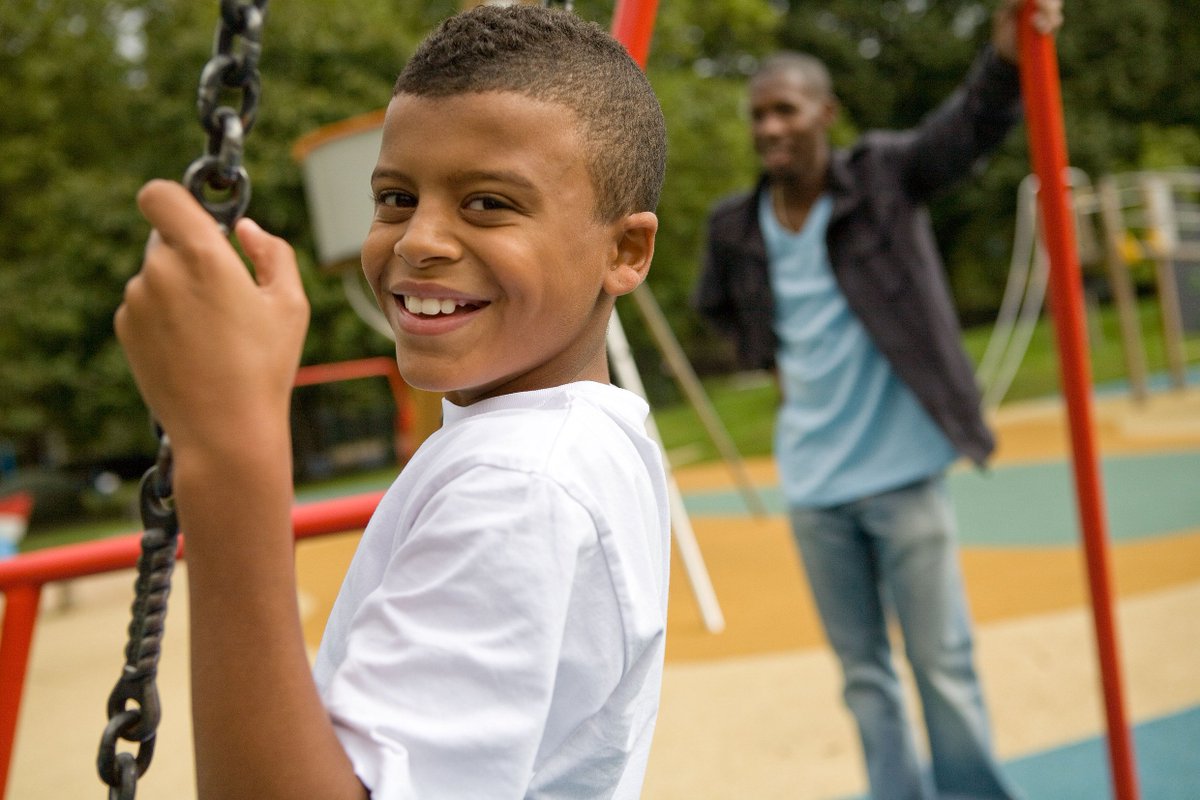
x: 450, y: 663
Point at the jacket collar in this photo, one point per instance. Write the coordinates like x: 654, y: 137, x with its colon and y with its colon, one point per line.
x: 839, y: 183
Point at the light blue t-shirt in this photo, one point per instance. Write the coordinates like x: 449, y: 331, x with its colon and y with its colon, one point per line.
x: 848, y: 427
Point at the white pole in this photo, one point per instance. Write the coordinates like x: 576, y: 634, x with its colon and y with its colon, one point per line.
x: 681, y: 524
x: 685, y: 376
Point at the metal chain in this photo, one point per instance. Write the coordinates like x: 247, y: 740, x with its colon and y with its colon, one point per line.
x: 233, y: 66
x: 133, y: 706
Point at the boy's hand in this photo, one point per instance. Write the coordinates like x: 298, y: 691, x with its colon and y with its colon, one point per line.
x: 1047, y: 19
x: 213, y: 349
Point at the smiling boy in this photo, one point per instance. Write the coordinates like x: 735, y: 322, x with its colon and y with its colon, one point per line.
x: 500, y: 630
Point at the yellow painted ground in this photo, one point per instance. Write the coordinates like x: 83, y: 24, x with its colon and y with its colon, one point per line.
x: 760, y: 585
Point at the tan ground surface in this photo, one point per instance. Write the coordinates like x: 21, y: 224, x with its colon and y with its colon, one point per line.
x: 752, y: 712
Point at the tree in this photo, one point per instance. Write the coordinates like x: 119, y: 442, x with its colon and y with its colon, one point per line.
x: 100, y: 97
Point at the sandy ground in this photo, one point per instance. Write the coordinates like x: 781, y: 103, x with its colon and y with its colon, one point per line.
x: 752, y: 712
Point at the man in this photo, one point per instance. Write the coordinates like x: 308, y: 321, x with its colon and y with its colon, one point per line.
x: 828, y: 274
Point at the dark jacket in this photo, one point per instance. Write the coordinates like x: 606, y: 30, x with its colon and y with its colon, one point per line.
x: 882, y: 250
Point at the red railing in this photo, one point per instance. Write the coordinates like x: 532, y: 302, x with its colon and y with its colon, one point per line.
x: 22, y: 579
x: 381, y: 366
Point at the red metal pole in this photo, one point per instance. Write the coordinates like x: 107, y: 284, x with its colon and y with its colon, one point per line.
x: 633, y: 26
x: 20, y: 616
x: 1047, y: 144
x: 22, y: 578
x: 381, y: 366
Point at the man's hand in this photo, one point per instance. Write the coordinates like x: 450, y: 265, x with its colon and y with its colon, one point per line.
x: 212, y: 348
x: 1047, y: 19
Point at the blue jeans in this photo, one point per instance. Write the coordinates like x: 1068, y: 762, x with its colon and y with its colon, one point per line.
x: 896, y: 551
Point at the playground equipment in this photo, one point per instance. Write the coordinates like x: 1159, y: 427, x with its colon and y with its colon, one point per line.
x: 22, y: 580
x: 1122, y: 221
x: 1153, y: 216
x: 1041, y: 92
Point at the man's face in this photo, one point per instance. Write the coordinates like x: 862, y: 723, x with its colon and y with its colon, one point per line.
x: 485, y: 252
x: 790, y: 122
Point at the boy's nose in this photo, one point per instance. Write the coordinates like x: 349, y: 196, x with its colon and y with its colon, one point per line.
x: 426, y: 240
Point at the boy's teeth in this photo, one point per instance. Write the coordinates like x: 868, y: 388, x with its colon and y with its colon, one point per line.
x: 429, y: 306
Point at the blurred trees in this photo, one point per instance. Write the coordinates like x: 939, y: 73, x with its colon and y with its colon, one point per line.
x: 1129, y: 98
x: 99, y: 97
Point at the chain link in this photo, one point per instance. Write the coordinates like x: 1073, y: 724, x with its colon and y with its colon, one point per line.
x: 233, y: 66
x: 134, y: 710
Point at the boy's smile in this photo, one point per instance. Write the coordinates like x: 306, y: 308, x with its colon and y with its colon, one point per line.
x: 486, y: 252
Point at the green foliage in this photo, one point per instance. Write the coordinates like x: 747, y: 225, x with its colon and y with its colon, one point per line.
x: 100, y: 96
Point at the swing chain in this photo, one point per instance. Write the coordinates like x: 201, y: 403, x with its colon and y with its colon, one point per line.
x: 138, y: 722
x: 134, y: 710
x: 234, y: 66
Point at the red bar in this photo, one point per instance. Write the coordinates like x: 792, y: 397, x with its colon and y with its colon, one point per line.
x: 380, y: 366
x: 20, y: 616
x: 1047, y: 144
x: 346, y: 370
x: 334, y: 516
x: 633, y: 26
x: 121, y: 552
x: 22, y: 578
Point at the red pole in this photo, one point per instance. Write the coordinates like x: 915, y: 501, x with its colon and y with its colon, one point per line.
x: 22, y: 578
x: 382, y: 366
x: 20, y: 617
x: 633, y: 26
x: 1047, y: 144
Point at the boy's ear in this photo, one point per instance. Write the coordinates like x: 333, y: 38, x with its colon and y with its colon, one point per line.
x: 632, y: 252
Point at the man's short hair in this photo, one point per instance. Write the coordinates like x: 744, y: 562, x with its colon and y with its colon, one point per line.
x: 809, y: 67
x: 554, y: 56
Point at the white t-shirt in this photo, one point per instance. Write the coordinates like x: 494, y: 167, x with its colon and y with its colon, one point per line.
x: 500, y: 632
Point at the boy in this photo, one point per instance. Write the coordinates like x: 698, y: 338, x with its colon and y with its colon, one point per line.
x: 500, y: 631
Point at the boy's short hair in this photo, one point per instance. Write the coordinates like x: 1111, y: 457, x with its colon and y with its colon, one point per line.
x: 554, y: 56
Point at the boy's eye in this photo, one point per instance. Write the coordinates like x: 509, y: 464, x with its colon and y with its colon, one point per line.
x: 486, y: 203
x: 393, y: 199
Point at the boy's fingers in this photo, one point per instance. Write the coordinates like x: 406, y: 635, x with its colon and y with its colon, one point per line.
x: 272, y: 257
x: 172, y: 210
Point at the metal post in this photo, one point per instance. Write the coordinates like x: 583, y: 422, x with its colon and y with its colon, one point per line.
x: 685, y: 376
x: 1160, y: 215
x: 1047, y: 141
x: 16, y: 637
x: 1121, y: 284
x: 633, y: 26
x: 681, y: 524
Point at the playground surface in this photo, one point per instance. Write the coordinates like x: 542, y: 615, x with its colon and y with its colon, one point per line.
x: 754, y: 711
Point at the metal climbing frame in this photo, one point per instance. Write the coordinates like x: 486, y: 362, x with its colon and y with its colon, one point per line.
x: 1151, y: 216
